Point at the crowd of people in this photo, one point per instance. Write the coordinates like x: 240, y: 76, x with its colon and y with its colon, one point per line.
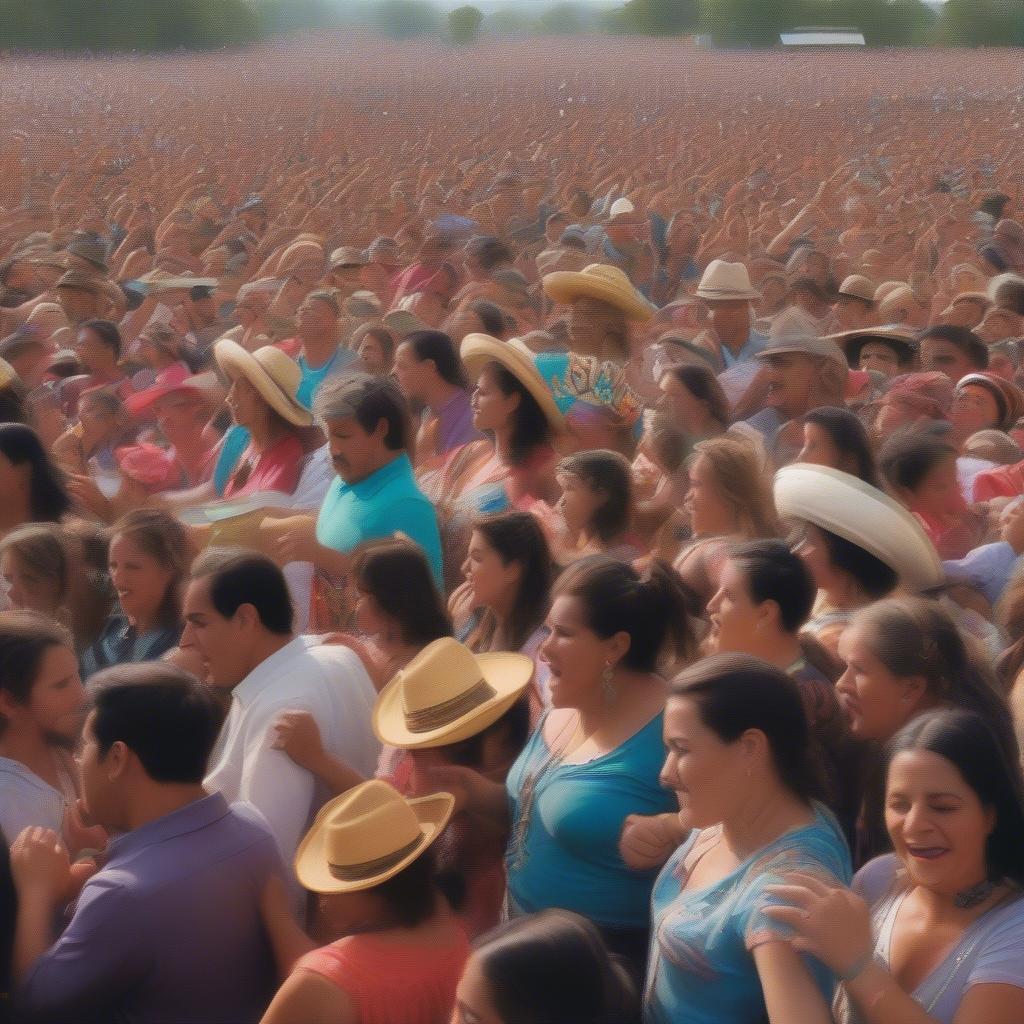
x: 491, y: 547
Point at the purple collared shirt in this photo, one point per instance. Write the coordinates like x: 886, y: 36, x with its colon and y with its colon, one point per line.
x: 455, y: 424
x: 170, y: 929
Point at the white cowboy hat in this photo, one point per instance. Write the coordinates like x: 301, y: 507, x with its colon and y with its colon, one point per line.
x: 724, y: 282
x: 602, y: 282
x: 854, y: 510
x: 368, y: 835
x: 447, y: 694
x: 477, y: 350
x: 272, y: 373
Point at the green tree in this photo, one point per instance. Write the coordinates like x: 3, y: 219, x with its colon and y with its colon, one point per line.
x: 982, y: 23
x: 464, y: 24
x: 659, y: 17
x: 743, y: 23
x: 405, y: 19
x: 563, y: 20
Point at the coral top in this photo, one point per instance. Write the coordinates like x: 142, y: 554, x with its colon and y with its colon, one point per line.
x: 390, y: 983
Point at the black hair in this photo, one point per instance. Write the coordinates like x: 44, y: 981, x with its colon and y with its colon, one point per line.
x: 411, y: 895
x: 874, y: 577
x: 965, y: 740
x: 395, y: 573
x: 491, y: 316
x: 994, y: 205
x: 774, y: 573
x: 530, y: 426
x: 554, y: 967
x: 969, y: 344
x: 702, y: 383
x: 369, y: 399
x: 607, y: 472
x: 25, y: 637
x: 850, y: 438
x: 440, y: 350
x: 910, y: 454
x: 737, y: 692
x: 651, y: 608
x: 162, y: 714
x: 1008, y: 293
x: 488, y: 251
x: 107, y: 332
x: 48, y: 500
x: 514, y: 723
x: 240, y: 577
x: 517, y: 537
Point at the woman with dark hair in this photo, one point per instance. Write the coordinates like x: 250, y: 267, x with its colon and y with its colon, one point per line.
x: 931, y: 933
x: 837, y: 438
x: 738, y: 761
x: 32, y: 486
x: 547, y: 967
x: 368, y: 856
x: 693, y: 398
x: 150, y: 554
x: 375, y: 347
x: 920, y: 469
x: 592, y: 760
x: 13, y: 396
x: 596, y: 506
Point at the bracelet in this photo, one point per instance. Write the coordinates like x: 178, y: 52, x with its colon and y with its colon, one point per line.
x: 858, y: 967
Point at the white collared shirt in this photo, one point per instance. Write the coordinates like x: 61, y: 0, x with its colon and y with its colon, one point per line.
x: 329, y: 682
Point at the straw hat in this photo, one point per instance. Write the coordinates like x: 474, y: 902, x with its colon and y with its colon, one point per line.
x: 848, y: 507
x: 1008, y: 397
x: 402, y: 322
x: 273, y: 374
x: 477, y: 350
x: 8, y: 374
x: 901, y: 339
x: 347, y: 256
x: 300, y: 253
x: 602, y: 282
x: 857, y: 286
x: 447, y: 694
x: 368, y: 835
x: 726, y: 282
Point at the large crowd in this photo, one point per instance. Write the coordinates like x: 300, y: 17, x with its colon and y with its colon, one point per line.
x: 529, y: 535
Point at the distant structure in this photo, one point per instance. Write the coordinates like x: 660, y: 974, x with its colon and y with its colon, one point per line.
x: 822, y: 38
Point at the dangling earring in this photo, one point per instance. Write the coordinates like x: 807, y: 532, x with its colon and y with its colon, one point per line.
x: 608, y: 684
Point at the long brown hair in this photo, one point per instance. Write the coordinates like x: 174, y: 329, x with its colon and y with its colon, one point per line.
x: 742, y: 483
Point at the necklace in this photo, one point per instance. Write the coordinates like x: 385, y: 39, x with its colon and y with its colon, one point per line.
x: 975, y: 896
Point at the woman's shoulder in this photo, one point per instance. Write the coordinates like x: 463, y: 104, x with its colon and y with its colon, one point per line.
x: 817, y: 845
x: 877, y: 878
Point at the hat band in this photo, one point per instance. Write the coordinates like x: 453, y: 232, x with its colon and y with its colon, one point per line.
x: 369, y: 868
x: 439, y: 715
x: 725, y: 291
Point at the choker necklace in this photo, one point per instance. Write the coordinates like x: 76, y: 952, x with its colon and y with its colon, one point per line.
x: 975, y: 896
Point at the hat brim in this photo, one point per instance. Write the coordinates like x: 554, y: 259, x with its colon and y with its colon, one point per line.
x: 854, y: 510
x: 566, y: 286
x: 851, y: 342
x: 236, y: 361
x: 313, y: 869
x: 477, y: 350
x: 140, y: 402
x: 725, y: 295
x: 507, y: 674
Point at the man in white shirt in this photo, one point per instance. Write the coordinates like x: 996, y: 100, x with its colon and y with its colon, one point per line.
x: 238, y: 617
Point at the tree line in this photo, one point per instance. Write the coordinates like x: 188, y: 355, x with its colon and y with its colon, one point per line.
x: 169, y: 24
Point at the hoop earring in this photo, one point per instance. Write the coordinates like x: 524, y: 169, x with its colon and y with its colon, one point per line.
x: 608, y: 684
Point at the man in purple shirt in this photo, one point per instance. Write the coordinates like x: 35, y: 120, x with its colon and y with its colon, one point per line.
x: 430, y: 374
x: 169, y: 928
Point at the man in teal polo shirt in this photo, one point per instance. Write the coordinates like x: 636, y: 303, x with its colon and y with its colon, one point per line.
x: 375, y: 495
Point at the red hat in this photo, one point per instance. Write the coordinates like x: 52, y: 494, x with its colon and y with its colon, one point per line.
x: 174, y: 378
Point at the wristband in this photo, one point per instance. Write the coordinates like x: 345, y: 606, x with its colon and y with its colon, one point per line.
x: 857, y: 968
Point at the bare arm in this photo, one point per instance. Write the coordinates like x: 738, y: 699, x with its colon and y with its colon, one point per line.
x: 311, y: 999
x: 790, y: 992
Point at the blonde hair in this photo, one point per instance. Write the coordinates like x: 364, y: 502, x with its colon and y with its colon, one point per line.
x: 741, y: 482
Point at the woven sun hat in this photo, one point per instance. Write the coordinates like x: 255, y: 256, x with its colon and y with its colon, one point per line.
x: 900, y: 338
x: 272, y: 373
x: 848, y: 507
x: 347, y: 256
x: 368, y: 835
x: 857, y: 286
x: 477, y: 350
x: 602, y: 282
x: 726, y: 282
x: 447, y: 694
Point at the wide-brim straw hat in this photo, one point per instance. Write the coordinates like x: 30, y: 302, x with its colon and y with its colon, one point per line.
x: 477, y: 350
x: 447, y: 694
x: 854, y: 510
x: 368, y: 835
x: 902, y: 340
x: 723, y: 281
x: 602, y: 282
x: 272, y: 373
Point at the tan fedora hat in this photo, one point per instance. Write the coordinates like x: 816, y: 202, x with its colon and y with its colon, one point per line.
x: 857, y: 286
x: 602, y: 282
x: 272, y: 373
x: 477, y: 350
x: 447, y: 694
x: 854, y: 510
x: 367, y: 835
x: 726, y: 282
